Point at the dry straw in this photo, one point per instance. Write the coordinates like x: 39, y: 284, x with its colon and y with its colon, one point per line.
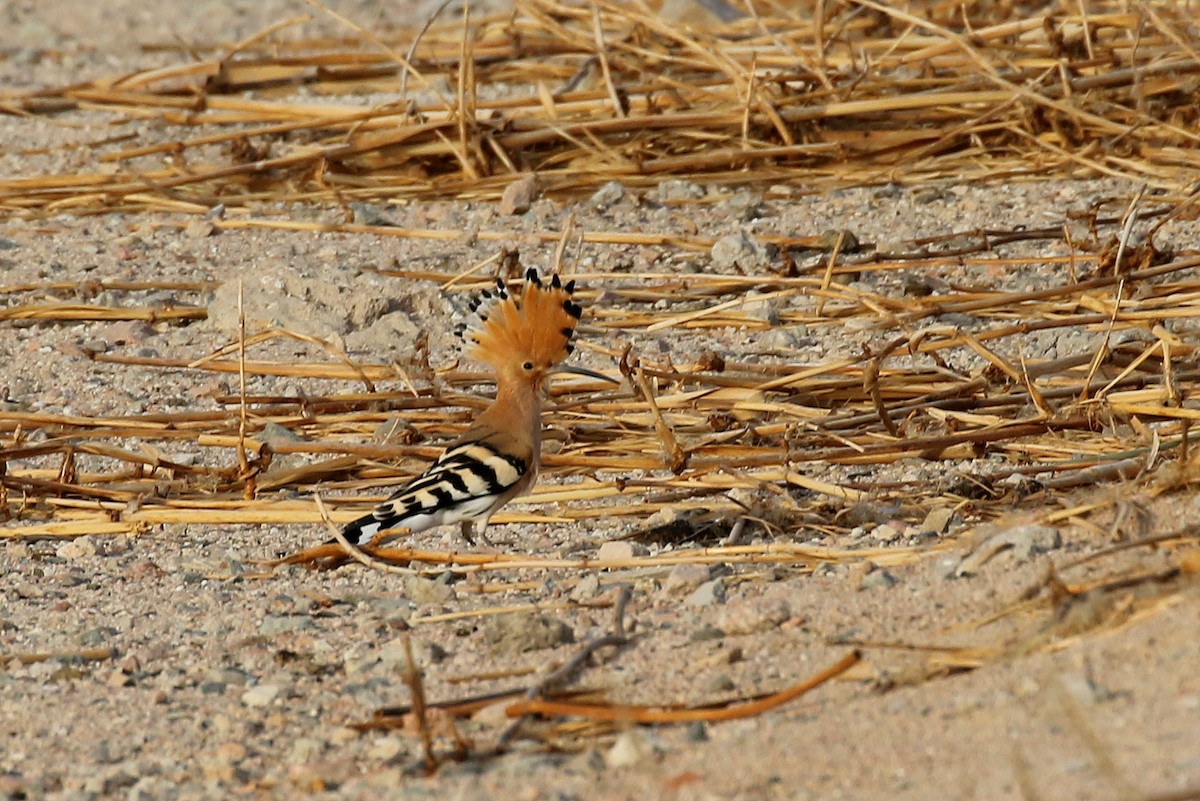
x: 583, y: 94
x: 586, y: 93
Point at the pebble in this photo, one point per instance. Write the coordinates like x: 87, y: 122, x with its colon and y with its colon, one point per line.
x: 631, y: 748
x: 519, y: 195
x: 305, y: 749
x: 719, y: 684
x: 937, y: 521
x: 610, y: 194
x: 620, y: 551
x: 1025, y: 540
x: 385, y: 749
x: 685, y: 578
x: 393, y: 653
x: 750, y: 615
x: 885, y: 533
x: 78, y: 548
x: 274, y: 433
x: 278, y: 624
x: 421, y: 590
x: 709, y: 593
x: 370, y: 214
x: 741, y: 251
x: 260, y: 695
x: 674, y: 189
x: 706, y: 633
x: 97, y: 636
x: 515, y: 634
x: 877, y: 578
x: 199, y: 228
x: 587, y: 588
x: 744, y: 205
x: 126, y: 332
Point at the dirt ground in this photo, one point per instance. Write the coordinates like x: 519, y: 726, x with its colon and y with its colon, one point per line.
x: 224, y: 683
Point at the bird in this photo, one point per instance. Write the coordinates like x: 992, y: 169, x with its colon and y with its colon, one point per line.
x: 523, y: 332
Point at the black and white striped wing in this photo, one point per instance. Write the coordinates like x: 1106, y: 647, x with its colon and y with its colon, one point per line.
x: 467, y: 482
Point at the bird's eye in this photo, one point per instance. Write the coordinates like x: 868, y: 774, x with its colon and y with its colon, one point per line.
x: 528, y: 365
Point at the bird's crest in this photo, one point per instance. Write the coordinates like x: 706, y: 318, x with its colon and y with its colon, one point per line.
x: 532, y: 322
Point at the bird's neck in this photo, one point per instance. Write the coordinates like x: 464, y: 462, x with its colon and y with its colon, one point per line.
x: 517, y: 408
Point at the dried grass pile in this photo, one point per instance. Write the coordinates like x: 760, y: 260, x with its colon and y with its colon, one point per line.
x: 585, y: 93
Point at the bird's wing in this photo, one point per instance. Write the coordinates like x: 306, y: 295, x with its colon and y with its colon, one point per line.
x: 469, y: 481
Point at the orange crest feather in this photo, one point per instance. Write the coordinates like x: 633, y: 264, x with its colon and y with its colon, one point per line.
x: 533, y: 322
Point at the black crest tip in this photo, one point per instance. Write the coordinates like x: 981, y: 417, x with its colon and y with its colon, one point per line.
x: 555, y: 281
x: 532, y: 275
x: 573, y: 309
x: 570, y: 287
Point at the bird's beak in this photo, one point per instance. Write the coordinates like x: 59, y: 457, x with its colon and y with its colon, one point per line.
x: 576, y: 370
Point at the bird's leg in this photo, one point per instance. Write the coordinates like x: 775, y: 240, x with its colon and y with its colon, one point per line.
x: 480, y: 526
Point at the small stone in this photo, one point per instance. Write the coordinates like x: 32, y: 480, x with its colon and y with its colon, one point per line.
x: 28, y: 592
x: 78, y: 548
x: 199, y: 228
x: 709, y: 593
x: 96, y: 637
x: 675, y: 189
x: 620, y: 551
x: 720, y: 684
x: 493, y: 715
x: 126, y: 332
x: 828, y: 240
x: 665, y: 516
x: 519, y: 195
x: 260, y: 695
x: 608, y: 195
x: 741, y: 251
x: 870, y: 512
x: 937, y: 521
x: 744, y: 205
x: 750, y: 615
x: 278, y: 624
x: 117, y: 545
x: 877, y: 578
x: 587, y: 588
x: 109, y: 782
x: 393, y: 653
x: 344, y: 735
x: 274, y: 433
x: 369, y: 214
x: 885, y: 533
x: 515, y: 634
x: 696, y: 732
x: 231, y: 752
x: 321, y: 775
x: 421, y: 590
x: 386, y: 749
x: 686, y: 577
x: 305, y: 750
x: 8, y: 244
x: 631, y: 748
x: 706, y: 633
x: 1025, y: 541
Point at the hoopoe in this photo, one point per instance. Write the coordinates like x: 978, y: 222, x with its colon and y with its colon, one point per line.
x: 522, y: 334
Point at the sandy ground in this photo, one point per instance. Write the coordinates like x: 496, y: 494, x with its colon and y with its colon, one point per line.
x: 225, y: 684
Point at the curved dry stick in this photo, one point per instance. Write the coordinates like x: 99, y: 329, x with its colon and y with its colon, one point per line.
x: 652, y: 714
